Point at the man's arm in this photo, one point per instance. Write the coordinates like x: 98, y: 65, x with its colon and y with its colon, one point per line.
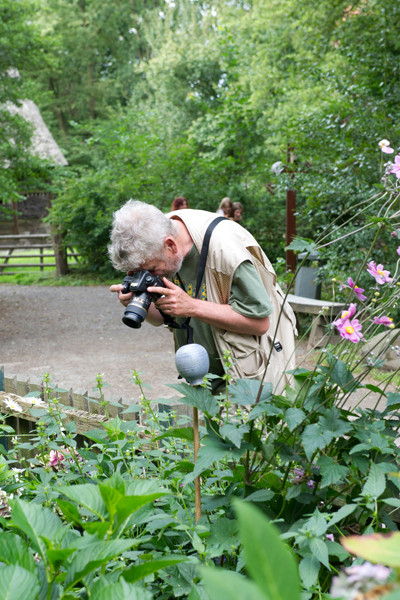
x: 177, y: 303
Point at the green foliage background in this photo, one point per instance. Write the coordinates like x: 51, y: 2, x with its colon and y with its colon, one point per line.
x: 163, y: 98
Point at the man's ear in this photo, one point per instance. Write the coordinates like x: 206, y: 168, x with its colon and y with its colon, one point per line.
x: 170, y: 244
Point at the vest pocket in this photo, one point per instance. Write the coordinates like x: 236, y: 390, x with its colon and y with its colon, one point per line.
x: 249, y: 358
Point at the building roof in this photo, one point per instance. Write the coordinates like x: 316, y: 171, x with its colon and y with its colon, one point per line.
x: 43, y: 143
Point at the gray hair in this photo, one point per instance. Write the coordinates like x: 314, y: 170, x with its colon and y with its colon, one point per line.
x: 137, y: 235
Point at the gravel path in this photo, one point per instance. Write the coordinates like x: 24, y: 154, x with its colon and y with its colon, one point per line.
x: 74, y: 333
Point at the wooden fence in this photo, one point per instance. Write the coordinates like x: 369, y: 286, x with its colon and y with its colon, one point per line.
x: 38, y: 246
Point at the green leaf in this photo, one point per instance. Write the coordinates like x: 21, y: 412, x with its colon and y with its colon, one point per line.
x: 342, y: 513
x: 14, y: 550
x: 212, y: 450
x: 269, y: 560
x: 245, y: 391
x: 122, y: 590
x: 137, y: 572
x: 331, y: 471
x: 293, y: 417
x: 37, y: 522
x: 184, y: 433
x: 228, y: 585
x: 302, y: 245
x: 198, y: 397
x: 375, y: 484
x: 309, y: 570
x: 93, y: 556
x: 87, y: 495
x: 314, y: 437
x: 234, y: 433
x: 379, y: 548
x: 319, y: 550
x: 17, y: 583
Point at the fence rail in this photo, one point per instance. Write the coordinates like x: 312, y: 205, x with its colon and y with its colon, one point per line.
x: 12, y: 249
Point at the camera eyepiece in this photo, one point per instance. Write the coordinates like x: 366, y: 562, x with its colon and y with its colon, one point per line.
x: 136, y: 311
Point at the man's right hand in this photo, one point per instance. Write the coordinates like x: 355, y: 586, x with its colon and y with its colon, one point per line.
x: 123, y: 298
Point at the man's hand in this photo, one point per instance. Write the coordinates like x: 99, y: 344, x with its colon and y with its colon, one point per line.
x: 174, y: 300
x: 123, y: 298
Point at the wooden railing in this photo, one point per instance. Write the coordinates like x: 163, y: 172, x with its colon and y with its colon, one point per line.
x: 13, y: 247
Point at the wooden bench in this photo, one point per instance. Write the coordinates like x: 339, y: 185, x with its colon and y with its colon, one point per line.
x: 324, y: 310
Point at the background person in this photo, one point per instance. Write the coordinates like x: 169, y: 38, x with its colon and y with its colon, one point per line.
x: 237, y: 212
x: 179, y: 203
x: 225, y: 208
x: 233, y: 310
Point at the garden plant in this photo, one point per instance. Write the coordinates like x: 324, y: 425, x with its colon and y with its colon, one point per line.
x: 298, y: 490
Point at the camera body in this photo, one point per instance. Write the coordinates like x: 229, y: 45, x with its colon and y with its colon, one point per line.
x: 136, y: 311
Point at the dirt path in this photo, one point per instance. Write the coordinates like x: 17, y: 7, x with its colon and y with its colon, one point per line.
x: 73, y: 333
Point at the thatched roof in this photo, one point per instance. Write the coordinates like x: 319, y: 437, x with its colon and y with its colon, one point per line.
x: 43, y: 143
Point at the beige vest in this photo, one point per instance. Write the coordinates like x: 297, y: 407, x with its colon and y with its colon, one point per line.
x: 230, y: 245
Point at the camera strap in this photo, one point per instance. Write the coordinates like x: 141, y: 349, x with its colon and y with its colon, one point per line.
x: 199, y: 278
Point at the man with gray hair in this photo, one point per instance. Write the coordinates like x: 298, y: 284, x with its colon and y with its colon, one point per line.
x: 238, y: 296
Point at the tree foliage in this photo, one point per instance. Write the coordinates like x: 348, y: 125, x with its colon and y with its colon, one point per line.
x: 200, y: 99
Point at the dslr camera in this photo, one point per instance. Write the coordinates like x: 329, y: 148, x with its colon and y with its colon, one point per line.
x: 136, y: 311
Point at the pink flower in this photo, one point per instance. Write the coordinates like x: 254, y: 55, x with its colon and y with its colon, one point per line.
x: 377, y: 271
x: 387, y: 321
x: 396, y: 167
x: 350, y: 330
x: 330, y: 537
x: 55, y: 458
x: 384, y: 145
x: 346, y: 314
x: 357, y: 290
x: 398, y: 250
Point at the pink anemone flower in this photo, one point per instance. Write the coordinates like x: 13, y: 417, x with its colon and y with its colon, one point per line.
x: 351, y: 330
x: 387, y: 321
x: 357, y: 290
x: 377, y: 271
x: 396, y: 167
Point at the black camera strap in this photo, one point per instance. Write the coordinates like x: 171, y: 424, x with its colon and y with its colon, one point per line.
x: 169, y: 321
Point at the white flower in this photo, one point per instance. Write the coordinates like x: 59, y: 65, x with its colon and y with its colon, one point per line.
x: 35, y: 401
x: 12, y: 405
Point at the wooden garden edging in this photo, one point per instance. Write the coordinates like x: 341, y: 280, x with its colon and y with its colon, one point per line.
x: 86, y: 412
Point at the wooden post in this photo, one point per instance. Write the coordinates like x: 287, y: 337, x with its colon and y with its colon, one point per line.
x: 60, y: 254
x: 196, y: 446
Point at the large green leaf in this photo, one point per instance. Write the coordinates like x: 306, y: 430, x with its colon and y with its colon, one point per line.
x: 331, y: 471
x: 228, y: 585
x: 17, y: 583
x: 269, y: 560
x: 245, y: 392
x: 121, y: 590
x: 309, y: 568
x: 37, y: 522
x: 15, y: 551
x: 375, y: 484
x: 87, y: 495
x: 137, y: 572
x: 314, y: 437
x: 93, y: 556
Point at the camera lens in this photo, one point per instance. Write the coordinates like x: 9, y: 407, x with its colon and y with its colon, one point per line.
x: 136, y: 311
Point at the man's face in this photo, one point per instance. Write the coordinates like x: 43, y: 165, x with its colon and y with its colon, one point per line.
x: 165, y: 266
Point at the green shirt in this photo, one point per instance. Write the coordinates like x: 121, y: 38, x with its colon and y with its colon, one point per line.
x: 248, y: 297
